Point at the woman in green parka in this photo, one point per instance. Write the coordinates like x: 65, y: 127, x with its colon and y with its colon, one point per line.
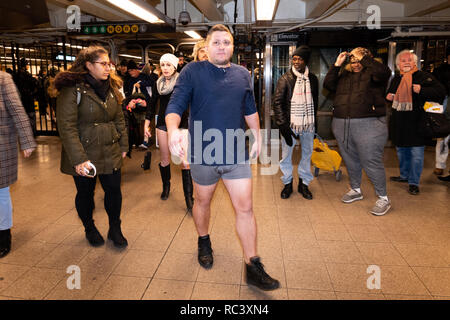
x: 92, y: 130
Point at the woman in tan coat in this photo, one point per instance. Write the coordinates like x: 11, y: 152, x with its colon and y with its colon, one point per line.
x: 92, y: 130
x: 13, y: 122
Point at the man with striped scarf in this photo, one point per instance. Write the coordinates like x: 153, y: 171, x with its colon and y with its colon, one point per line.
x: 295, y: 107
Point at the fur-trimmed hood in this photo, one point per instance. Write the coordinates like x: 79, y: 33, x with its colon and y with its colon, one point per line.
x: 67, y: 79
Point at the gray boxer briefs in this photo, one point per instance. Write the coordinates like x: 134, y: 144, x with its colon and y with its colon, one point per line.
x: 208, y: 175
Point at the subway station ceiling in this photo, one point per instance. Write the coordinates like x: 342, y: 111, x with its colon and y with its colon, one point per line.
x: 40, y: 19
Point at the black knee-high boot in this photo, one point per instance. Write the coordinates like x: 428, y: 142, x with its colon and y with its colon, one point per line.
x: 188, y: 188
x: 165, y: 177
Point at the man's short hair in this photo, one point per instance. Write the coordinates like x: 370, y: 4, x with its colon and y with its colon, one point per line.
x: 218, y: 27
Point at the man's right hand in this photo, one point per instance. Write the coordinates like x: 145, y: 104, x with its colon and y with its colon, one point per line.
x: 287, y: 134
x: 176, y: 142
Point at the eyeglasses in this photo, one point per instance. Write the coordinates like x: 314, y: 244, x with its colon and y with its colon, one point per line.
x: 217, y: 43
x: 297, y: 59
x: 355, y: 62
x: 105, y: 64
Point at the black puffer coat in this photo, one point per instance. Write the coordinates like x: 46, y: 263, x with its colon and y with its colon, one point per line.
x: 359, y: 94
x: 283, y: 94
x: 405, y: 124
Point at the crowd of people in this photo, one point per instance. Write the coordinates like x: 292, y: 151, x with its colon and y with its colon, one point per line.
x: 101, y: 114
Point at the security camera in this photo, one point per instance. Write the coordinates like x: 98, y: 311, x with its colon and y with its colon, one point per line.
x: 184, y: 18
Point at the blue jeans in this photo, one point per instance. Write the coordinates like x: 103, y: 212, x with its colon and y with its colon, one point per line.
x: 411, y: 163
x: 304, y: 166
x: 5, y: 209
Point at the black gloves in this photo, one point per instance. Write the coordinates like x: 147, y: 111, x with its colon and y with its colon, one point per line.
x: 287, y: 134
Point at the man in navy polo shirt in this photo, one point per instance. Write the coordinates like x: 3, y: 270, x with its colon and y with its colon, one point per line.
x: 221, y: 102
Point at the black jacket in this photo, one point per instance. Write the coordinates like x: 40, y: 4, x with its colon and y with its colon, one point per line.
x: 145, y: 81
x: 359, y: 94
x: 163, y: 103
x: 405, y: 124
x: 282, y: 98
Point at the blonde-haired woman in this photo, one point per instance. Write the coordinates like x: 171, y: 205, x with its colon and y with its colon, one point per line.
x: 359, y: 121
x: 92, y: 129
x: 162, y: 91
x: 200, y: 52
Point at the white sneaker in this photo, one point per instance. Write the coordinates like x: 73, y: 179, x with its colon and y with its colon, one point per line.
x: 351, y: 196
x: 381, y: 207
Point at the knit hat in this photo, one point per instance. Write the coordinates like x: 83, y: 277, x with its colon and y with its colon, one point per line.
x: 168, y: 57
x: 132, y: 65
x: 304, y: 52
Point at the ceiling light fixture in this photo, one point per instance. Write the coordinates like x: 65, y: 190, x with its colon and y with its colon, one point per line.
x: 129, y: 56
x: 193, y: 34
x: 71, y: 45
x: 265, y: 9
x: 136, y: 8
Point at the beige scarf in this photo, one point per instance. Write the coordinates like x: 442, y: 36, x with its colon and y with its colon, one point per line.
x: 165, y: 88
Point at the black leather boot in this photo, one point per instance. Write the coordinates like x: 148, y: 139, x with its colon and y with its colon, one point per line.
x: 287, y: 191
x: 115, y: 234
x: 205, y: 257
x: 5, y: 242
x: 93, y: 235
x: 188, y: 188
x: 165, y: 177
x: 303, y: 189
x: 255, y: 275
x: 147, y: 160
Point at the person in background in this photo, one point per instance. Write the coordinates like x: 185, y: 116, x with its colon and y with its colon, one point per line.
x: 200, y: 51
x: 181, y: 61
x: 442, y: 73
x: 149, y: 69
x: 14, y: 123
x: 122, y: 70
x: 52, y: 93
x: 92, y: 131
x: 138, y: 81
x: 41, y: 94
x: 27, y: 87
x: 359, y: 121
x: 408, y: 92
x: 162, y: 92
x: 295, y: 108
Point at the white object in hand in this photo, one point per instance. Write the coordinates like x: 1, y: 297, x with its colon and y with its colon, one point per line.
x: 86, y: 170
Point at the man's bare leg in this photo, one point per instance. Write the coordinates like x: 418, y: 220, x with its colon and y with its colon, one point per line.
x: 240, y: 191
x: 201, y: 214
x: 201, y: 211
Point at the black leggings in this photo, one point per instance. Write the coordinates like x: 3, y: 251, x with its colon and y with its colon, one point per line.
x: 84, y: 200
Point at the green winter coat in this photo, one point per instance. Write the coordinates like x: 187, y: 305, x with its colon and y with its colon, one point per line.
x: 91, y: 130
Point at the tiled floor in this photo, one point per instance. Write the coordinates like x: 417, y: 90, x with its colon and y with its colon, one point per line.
x: 318, y: 249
